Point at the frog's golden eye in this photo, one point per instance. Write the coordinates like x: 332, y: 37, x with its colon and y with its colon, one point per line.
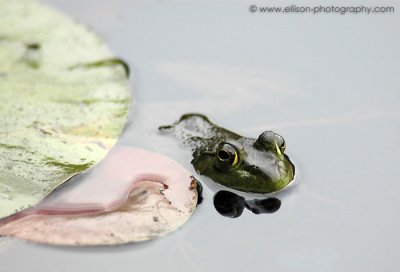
x: 226, y: 157
x: 272, y: 140
x: 280, y: 142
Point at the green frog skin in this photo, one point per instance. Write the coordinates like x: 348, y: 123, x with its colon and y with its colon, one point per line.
x: 245, y: 164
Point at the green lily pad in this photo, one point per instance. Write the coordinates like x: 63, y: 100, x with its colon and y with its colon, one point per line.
x: 64, y: 100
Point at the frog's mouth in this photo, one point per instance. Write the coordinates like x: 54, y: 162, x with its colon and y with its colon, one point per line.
x: 247, y: 178
x: 271, y: 179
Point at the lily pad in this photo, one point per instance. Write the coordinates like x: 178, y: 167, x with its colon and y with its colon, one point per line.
x: 64, y: 100
x: 132, y: 195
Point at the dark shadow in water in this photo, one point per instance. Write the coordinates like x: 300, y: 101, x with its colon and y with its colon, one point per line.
x: 266, y: 205
x: 229, y: 204
x: 199, y: 188
x: 232, y: 205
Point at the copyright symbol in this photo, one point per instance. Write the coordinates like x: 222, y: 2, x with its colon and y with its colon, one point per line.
x: 253, y: 8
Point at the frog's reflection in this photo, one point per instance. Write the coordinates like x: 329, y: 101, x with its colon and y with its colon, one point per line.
x: 232, y: 205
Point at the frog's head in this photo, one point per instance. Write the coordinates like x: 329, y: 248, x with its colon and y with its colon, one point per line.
x: 250, y: 165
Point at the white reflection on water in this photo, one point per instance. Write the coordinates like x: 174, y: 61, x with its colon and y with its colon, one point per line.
x: 308, y: 257
x: 340, y: 119
x: 234, y: 87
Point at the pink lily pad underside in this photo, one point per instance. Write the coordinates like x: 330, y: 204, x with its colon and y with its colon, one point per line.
x: 132, y: 195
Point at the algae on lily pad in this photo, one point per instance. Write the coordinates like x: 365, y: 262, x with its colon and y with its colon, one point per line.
x: 64, y: 100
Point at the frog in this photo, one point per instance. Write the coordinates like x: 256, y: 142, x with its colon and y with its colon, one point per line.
x: 251, y: 165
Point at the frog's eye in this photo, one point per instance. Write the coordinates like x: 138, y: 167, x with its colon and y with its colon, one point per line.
x: 226, y: 157
x: 280, y: 142
x: 272, y: 140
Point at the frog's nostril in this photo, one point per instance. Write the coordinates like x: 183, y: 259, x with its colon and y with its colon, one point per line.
x: 255, y: 170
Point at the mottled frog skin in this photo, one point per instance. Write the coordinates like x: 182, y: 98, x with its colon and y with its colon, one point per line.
x: 241, y: 163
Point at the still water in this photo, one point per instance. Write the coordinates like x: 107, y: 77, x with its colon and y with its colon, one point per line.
x: 327, y: 84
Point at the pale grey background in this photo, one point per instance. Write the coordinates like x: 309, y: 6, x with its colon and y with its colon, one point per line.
x: 328, y: 83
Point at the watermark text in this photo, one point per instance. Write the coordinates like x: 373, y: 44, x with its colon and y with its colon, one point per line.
x: 343, y: 10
